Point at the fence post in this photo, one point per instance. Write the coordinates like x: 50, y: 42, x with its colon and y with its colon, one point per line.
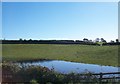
x: 100, y: 78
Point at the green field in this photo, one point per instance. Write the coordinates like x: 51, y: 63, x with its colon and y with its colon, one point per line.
x: 103, y: 55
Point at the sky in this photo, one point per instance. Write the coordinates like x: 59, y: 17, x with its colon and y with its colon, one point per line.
x: 60, y: 20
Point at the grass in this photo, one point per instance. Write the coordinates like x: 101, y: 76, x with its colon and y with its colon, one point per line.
x: 103, y: 55
x: 13, y: 73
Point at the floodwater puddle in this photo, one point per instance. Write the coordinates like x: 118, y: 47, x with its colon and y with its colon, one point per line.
x: 67, y: 67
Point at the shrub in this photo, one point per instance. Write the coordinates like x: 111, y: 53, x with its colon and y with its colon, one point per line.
x: 42, y: 75
x: 33, y: 82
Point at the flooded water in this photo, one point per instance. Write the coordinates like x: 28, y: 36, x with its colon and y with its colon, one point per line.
x: 67, y: 67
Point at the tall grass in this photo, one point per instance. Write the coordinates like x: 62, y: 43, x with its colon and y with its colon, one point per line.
x: 14, y: 73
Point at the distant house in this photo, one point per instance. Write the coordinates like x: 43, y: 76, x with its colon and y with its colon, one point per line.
x: 85, y: 40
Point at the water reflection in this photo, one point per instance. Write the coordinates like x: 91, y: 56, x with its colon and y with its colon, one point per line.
x: 67, y: 67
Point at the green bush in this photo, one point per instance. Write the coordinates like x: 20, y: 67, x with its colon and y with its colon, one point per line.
x: 33, y: 82
x: 42, y: 75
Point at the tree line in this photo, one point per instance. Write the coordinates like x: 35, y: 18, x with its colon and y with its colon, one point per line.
x: 97, y: 41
